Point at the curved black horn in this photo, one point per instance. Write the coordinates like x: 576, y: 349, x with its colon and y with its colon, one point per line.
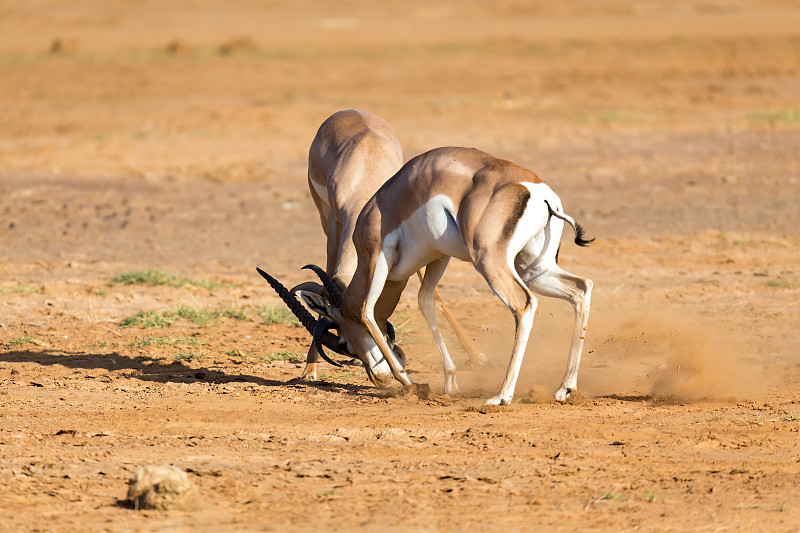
x: 323, y: 327
x: 306, y: 318
x: 390, y: 332
x: 336, y: 294
x: 328, y: 283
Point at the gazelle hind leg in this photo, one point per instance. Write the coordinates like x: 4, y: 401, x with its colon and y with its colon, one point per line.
x: 522, y: 303
x: 433, y: 273
x: 576, y: 290
x: 476, y: 358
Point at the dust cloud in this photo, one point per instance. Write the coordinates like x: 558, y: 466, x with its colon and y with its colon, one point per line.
x: 663, y: 355
x: 653, y: 355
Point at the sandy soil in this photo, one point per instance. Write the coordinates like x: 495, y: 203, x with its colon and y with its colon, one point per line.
x: 141, y: 135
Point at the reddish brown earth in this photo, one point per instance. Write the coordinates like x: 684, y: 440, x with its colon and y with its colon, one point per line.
x: 143, y: 135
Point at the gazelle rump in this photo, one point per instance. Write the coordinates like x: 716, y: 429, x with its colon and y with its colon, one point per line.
x: 351, y: 156
x: 467, y: 204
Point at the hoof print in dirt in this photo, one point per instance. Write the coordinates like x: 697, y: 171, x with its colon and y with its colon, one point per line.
x: 162, y: 487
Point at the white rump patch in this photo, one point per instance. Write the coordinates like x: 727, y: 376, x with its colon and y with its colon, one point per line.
x: 530, y: 242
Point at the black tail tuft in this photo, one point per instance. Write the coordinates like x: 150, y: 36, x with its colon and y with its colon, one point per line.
x: 580, y: 233
x: 580, y: 236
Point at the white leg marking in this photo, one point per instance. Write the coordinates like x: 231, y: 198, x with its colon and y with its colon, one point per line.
x: 378, y: 281
x: 558, y: 283
x: 433, y: 273
x: 524, y: 325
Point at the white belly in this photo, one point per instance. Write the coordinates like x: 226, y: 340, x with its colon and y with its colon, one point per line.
x: 429, y: 233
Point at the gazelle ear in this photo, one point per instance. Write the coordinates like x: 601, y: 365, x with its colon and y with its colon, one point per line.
x: 311, y: 286
x: 316, y: 303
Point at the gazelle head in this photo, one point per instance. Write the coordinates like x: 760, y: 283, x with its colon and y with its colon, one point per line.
x: 353, y: 339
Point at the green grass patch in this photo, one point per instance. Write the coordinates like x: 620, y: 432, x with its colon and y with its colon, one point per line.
x: 325, y: 494
x: 777, y: 283
x: 745, y: 506
x: 278, y: 315
x: 284, y: 356
x: 23, y: 341
x: 146, y: 359
x: 189, y: 355
x: 146, y: 342
x: 650, y: 496
x: 25, y: 289
x: 167, y: 318
x: 776, y: 116
x: 148, y: 320
x: 98, y: 346
x: 154, y: 278
x: 195, y: 316
x: 236, y: 314
x: 613, y: 495
x: 149, y: 277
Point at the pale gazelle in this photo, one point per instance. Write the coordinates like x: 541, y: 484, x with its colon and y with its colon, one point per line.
x: 352, y: 155
x: 467, y: 204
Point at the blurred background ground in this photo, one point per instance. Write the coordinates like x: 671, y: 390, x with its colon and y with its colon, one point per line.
x: 142, y: 135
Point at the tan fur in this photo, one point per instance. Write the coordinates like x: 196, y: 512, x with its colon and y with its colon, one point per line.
x: 485, y: 198
x: 352, y: 155
x: 442, y: 171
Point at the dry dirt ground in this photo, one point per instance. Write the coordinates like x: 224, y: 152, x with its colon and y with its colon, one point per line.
x: 143, y: 135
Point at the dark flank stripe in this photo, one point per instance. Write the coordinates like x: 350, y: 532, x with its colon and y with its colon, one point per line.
x: 516, y: 213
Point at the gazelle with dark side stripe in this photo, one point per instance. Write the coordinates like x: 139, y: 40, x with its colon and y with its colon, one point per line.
x: 467, y: 204
x: 352, y: 155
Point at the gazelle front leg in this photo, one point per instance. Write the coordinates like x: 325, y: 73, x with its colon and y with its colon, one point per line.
x: 378, y: 278
x: 433, y: 273
x: 310, y: 371
x: 312, y: 356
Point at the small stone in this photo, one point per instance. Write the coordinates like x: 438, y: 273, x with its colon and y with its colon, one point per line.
x: 162, y: 487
